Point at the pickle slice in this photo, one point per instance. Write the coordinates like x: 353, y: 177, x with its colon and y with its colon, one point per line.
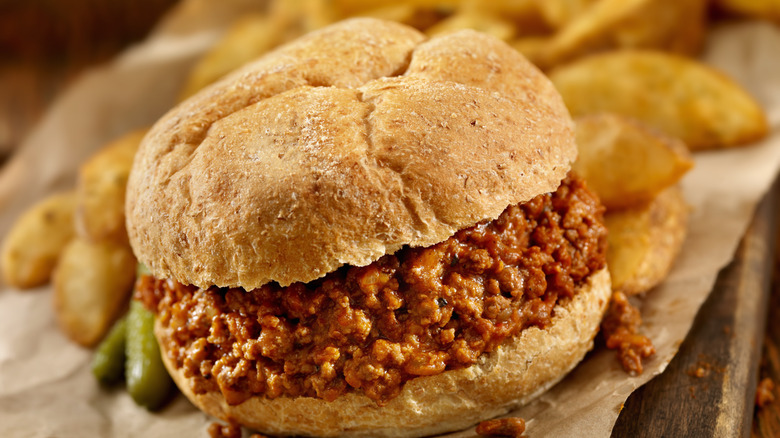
x: 148, y: 381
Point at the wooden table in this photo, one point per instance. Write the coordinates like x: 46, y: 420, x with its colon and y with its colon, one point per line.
x: 724, y: 347
x: 709, y: 387
x: 46, y: 43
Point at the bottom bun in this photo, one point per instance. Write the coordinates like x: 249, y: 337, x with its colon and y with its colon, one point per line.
x: 512, y: 375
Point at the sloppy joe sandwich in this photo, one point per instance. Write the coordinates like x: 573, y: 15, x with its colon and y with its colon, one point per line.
x: 367, y: 232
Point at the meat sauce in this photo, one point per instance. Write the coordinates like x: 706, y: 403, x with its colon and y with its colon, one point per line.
x: 511, y: 427
x: 620, y: 329
x: 415, y: 313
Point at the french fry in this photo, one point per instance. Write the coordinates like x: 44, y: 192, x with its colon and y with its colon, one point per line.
x: 247, y: 38
x: 402, y: 13
x: 100, y: 210
x: 532, y: 47
x: 355, y: 7
x: 34, y: 243
x: 525, y: 15
x: 643, y: 242
x: 626, y: 163
x: 678, y: 96
x: 488, y: 24
x: 253, y: 35
x: 768, y: 9
x: 92, y: 284
x: 672, y: 25
x: 558, y: 13
x: 408, y: 13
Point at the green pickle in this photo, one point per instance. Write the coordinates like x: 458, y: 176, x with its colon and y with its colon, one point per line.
x: 148, y: 381
x: 108, y: 365
x: 141, y: 270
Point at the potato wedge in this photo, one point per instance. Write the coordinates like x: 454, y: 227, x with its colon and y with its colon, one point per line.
x: 678, y: 96
x: 34, y: 243
x: 643, y: 242
x: 100, y: 209
x: 672, y: 25
x: 626, y: 163
x: 92, y: 285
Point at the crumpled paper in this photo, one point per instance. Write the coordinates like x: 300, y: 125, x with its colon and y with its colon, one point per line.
x: 46, y: 388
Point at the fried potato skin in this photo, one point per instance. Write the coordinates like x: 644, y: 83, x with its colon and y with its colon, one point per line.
x: 92, y: 286
x: 100, y: 209
x: 625, y: 162
x: 31, y: 248
x: 645, y: 241
x: 681, y: 97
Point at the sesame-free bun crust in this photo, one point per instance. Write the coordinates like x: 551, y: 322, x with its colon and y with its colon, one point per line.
x: 341, y: 147
x: 519, y: 370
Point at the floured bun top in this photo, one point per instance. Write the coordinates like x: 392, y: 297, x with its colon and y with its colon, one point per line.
x: 341, y: 147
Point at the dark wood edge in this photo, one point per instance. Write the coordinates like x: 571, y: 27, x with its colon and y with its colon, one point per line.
x: 709, y: 387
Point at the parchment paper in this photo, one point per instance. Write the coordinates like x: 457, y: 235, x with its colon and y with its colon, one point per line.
x: 45, y: 385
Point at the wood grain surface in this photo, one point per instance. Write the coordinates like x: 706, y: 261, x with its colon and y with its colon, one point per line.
x: 766, y: 420
x: 709, y: 387
x: 45, y: 44
x: 707, y: 390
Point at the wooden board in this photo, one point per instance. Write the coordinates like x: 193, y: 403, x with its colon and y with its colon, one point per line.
x: 709, y: 387
x: 726, y: 337
x: 766, y: 420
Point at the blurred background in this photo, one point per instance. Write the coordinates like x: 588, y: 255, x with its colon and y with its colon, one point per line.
x: 46, y: 44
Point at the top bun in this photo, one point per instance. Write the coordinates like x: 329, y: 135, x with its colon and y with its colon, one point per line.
x: 339, y: 148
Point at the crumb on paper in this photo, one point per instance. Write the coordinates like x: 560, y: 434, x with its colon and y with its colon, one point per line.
x: 620, y: 329
x: 765, y: 392
x: 219, y: 430
x: 502, y: 427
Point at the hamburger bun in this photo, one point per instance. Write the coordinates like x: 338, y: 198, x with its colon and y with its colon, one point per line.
x: 340, y: 148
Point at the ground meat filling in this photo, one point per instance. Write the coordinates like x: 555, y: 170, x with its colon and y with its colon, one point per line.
x: 415, y: 313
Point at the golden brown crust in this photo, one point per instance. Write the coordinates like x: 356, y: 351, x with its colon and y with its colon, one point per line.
x: 512, y: 375
x: 339, y: 148
x: 644, y: 241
